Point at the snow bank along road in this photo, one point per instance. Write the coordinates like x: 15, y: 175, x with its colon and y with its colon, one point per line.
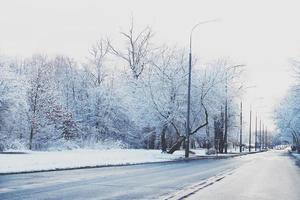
x: 13, y: 162
x: 159, y: 180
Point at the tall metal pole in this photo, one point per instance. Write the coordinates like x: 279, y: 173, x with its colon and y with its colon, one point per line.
x: 266, y: 136
x: 226, y: 117
x: 256, y: 132
x: 263, y: 136
x: 250, y: 130
x: 187, y: 141
x: 241, y: 127
x: 260, y: 134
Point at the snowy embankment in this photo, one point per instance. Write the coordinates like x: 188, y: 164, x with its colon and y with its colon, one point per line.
x: 41, y: 161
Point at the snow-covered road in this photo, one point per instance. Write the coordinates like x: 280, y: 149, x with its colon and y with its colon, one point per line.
x: 271, y: 175
x: 263, y: 175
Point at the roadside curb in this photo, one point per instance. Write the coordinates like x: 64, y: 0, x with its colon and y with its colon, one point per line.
x: 133, y: 164
x: 192, y: 189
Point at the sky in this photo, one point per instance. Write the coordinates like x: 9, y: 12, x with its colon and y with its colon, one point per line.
x: 262, y: 34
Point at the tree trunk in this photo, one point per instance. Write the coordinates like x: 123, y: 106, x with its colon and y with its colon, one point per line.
x: 177, y: 145
x: 163, y: 139
x: 30, y: 137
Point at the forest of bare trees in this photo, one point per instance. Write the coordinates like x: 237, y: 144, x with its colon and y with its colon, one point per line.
x: 132, y: 95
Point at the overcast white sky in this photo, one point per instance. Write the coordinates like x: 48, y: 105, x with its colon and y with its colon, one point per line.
x: 262, y: 34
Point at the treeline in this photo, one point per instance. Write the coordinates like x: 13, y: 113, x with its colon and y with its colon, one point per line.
x: 287, y: 113
x: 133, y: 95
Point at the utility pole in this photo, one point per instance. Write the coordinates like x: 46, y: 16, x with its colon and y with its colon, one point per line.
x: 241, y: 127
x: 256, y: 132
x: 250, y: 130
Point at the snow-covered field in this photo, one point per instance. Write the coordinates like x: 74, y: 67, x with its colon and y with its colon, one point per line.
x: 36, y: 161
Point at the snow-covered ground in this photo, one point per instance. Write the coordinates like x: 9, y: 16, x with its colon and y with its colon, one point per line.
x: 36, y: 161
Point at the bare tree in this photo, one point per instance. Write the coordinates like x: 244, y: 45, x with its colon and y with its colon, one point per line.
x: 98, y: 53
x: 136, y: 51
x: 37, y: 89
x: 167, y: 83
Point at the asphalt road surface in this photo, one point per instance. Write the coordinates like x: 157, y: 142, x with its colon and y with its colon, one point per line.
x: 152, y: 181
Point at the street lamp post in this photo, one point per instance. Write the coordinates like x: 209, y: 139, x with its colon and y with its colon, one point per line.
x: 241, y: 117
x: 263, y: 136
x: 226, y: 110
x: 257, y: 136
x: 256, y: 132
x: 226, y: 117
x: 250, y: 129
x: 241, y: 127
x: 187, y: 140
x: 266, y: 140
x: 260, y: 134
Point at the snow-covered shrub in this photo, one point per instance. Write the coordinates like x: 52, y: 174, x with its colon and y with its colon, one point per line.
x: 211, y: 151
